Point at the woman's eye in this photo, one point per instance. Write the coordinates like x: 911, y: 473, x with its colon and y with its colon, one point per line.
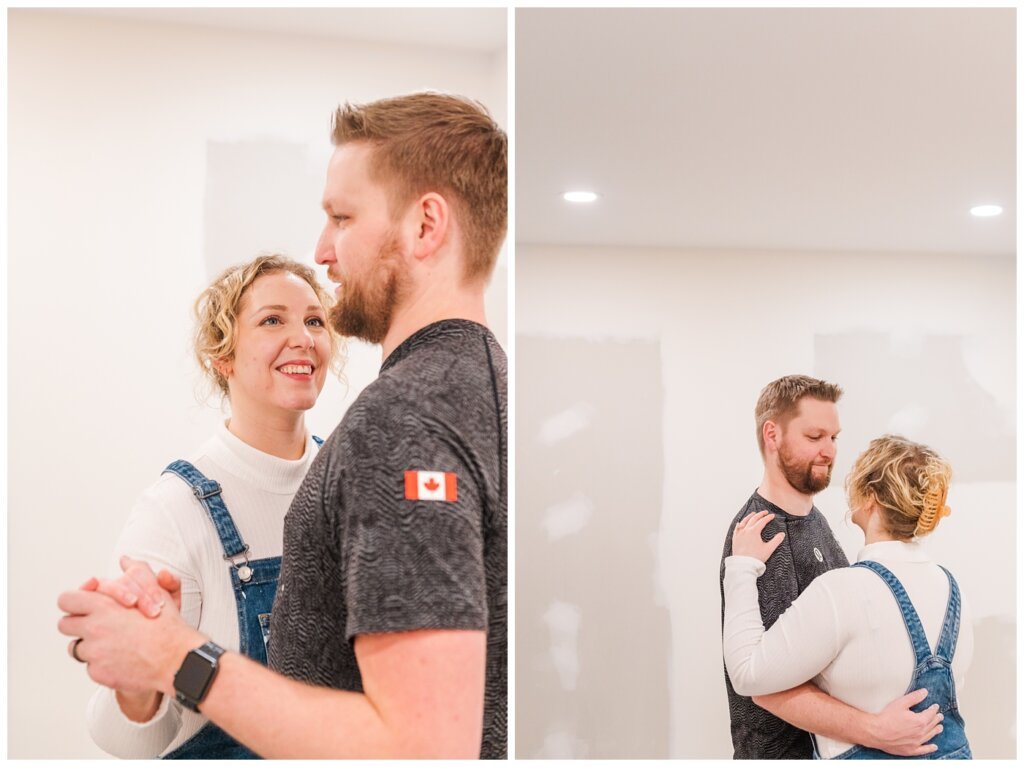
x: 271, y: 321
x: 317, y: 321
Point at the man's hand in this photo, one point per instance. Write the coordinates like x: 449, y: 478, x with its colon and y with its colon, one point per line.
x: 122, y: 648
x: 746, y: 537
x: 138, y: 587
x: 895, y: 729
x: 901, y: 732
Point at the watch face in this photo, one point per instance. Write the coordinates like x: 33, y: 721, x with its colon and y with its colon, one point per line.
x: 193, y: 676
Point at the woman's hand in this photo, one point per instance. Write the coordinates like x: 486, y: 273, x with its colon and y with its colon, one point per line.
x: 139, y: 587
x: 121, y: 647
x: 746, y: 537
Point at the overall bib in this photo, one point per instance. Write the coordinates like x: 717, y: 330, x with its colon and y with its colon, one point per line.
x: 933, y: 671
x: 255, y: 584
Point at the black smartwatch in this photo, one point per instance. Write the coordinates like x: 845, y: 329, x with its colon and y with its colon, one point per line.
x: 196, y: 674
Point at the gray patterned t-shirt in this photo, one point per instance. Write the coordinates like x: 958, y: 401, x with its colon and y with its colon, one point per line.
x: 365, y: 554
x: 808, y: 550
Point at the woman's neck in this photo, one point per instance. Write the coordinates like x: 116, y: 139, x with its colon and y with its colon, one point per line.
x: 875, y: 531
x: 878, y: 537
x: 281, y: 434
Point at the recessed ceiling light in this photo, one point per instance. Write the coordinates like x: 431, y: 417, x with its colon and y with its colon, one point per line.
x: 986, y: 210
x: 579, y: 196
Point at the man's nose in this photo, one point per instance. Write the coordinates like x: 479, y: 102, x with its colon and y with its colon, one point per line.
x: 829, y: 450
x: 324, y: 248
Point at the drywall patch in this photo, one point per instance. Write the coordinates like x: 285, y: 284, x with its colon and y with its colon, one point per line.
x: 991, y: 688
x: 262, y: 196
x: 920, y: 386
x: 562, y: 744
x: 565, y: 424
x: 568, y: 517
x: 563, y: 621
x: 589, y: 484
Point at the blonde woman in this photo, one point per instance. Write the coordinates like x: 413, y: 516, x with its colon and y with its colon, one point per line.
x: 892, y: 623
x: 216, y: 520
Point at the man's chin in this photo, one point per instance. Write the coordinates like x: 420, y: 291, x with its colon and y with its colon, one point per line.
x: 357, y: 325
x: 816, y: 481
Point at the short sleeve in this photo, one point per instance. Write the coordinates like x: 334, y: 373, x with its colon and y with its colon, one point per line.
x: 412, y: 542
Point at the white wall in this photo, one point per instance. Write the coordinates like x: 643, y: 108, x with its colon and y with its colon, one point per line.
x: 727, y: 323
x: 117, y: 221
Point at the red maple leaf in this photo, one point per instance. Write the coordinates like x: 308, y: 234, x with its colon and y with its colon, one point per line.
x: 431, y: 484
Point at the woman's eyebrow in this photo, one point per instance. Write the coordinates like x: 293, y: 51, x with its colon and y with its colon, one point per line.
x: 282, y: 308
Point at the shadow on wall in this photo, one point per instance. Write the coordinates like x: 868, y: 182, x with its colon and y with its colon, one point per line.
x: 592, y: 632
x: 992, y: 677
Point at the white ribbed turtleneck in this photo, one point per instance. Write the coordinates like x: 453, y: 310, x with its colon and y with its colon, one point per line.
x: 169, y: 528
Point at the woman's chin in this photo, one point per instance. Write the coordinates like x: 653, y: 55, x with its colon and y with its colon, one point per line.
x: 305, y: 404
x: 295, y: 403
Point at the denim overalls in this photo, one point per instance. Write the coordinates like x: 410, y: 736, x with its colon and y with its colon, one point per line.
x: 255, y: 584
x: 933, y: 672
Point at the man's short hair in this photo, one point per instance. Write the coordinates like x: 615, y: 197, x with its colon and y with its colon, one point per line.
x: 780, y: 400
x: 435, y: 142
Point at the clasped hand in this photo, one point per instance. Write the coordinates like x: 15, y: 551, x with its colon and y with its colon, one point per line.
x: 128, y: 631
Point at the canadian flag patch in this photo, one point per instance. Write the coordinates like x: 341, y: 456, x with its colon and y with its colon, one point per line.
x: 431, y: 486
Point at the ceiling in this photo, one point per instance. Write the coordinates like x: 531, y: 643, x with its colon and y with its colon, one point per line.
x: 481, y: 30
x: 775, y: 129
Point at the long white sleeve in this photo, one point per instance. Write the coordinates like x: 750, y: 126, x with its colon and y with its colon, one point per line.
x: 121, y: 737
x: 801, y: 643
x: 168, y: 528
x: 845, y: 631
x: 152, y: 536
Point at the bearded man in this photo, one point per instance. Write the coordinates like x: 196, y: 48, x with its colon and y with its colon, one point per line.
x: 797, y: 426
x: 389, y: 633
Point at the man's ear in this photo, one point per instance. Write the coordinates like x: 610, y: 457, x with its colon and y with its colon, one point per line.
x: 432, y: 216
x: 770, y: 432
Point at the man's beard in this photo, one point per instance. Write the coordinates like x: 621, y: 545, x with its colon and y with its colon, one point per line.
x: 366, y: 308
x: 801, y: 476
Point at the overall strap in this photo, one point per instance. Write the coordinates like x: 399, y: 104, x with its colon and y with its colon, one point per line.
x: 208, y: 493
x: 951, y: 623
x: 318, y: 440
x: 918, y: 638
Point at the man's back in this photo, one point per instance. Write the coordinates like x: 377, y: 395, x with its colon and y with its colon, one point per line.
x: 364, y: 555
x: 808, y: 550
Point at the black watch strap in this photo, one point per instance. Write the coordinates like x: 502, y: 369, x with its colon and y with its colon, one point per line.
x: 196, y: 674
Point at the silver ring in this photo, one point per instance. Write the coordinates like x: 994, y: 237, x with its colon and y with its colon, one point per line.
x: 74, y: 650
